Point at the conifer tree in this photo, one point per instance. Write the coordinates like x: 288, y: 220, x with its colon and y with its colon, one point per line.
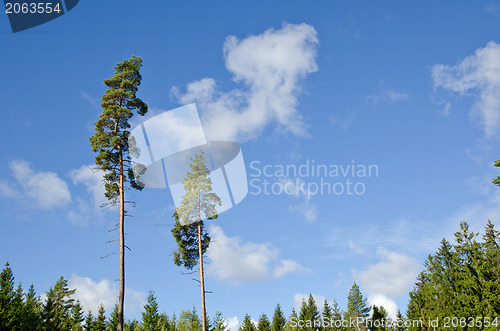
x: 459, y: 280
x: 77, y: 317
x: 17, y: 308
x: 400, y: 320
x: 58, y: 306
x: 356, y: 306
x: 32, y: 317
x: 113, y: 319
x: 336, y: 313
x: 292, y: 320
x: 247, y: 324
x: 163, y: 322
x: 326, y: 317
x: 379, y: 316
x: 279, y: 319
x: 220, y: 323
x: 174, y: 323
x: 197, y: 204
x: 111, y: 144
x: 133, y: 325
x: 309, y: 314
x: 150, y: 315
x: 263, y: 324
x: 100, y: 321
x: 7, y: 294
x: 189, y: 321
x: 89, y: 322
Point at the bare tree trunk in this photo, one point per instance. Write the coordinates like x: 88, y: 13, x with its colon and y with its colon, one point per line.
x: 202, y: 280
x: 121, y: 297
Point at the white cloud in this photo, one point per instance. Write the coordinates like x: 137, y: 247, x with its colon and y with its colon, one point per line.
x: 299, y: 297
x: 300, y: 189
x: 446, y: 110
x: 386, y: 95
x: 393, y: 276
x: 269, y: 66
x: 42, y: 189
x: 7, y: 191
x: 91, y: 100
x: 91, y: 294
x: 93, y: 180
x: 233, y: 323
x: 344, y: 122
x: 388, y: 304
x: 355, y: 248
x: 237, y: 262
x: 478, y: 73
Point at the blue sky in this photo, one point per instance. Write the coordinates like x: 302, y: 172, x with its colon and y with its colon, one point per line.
x: 412, y: 88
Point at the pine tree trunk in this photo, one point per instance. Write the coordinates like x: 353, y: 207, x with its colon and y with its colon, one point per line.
x: 202, y: 281
x: 122, y: 247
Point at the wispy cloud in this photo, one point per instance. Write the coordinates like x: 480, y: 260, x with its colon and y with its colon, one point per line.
x: 92, y: 179
x: 478, y: 75
x: 237, y: 262
x: 386, y: 95
x: 91, y: 100
x: 270, y: 67
x: 300, y: 190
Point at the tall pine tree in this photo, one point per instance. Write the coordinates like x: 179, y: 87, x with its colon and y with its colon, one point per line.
x: 198, y: 203
x: 111, y: 144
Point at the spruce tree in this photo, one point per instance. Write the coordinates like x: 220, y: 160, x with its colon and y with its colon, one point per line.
x: 198, y: 203
x: 77, y: 317
x: 309, y: 314
x: 89, y: 322
x: 100, y: 321
x: 400, y: 320
x: 336, y: 314
x: 113, y: 319
x: 379, y: 317
x: 7, y: 294
x: 150, y: 315
x: 58, y: 306
x: 292, y: 320
x: 32, y: 317
x: 247, y: 324
x: 220, y: 323
x: 110, y: 142
x: 189, y: 321
x: 356, y: 306
x: 279, y: 319
x: 263, y: 324
x: 490, y: 269
x: 327, y: 316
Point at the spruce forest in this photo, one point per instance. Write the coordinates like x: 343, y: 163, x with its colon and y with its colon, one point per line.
x: 459, y: 287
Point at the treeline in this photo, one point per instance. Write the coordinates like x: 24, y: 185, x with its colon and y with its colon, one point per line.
x: 460, y: 286
x: 459, y: 289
